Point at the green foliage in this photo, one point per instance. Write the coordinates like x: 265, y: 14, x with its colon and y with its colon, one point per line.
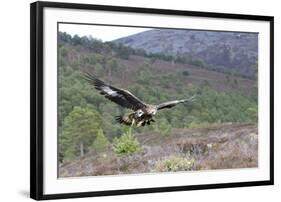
x: 126, y: 145
x: 197, y: 62
x: 79, y: 131
x: 185, y: 73
x: 252, y: 112
x: 161, y: 56
x: 112, y: 64
x: 227, y: 78
x: 99, y: 69
x: 123, y: 52
x: 101, y: 143
x: 162, y: 126
x: 214, y: 107
x: 195, y: 124
x: 174, y: 164
x: 63, y: 51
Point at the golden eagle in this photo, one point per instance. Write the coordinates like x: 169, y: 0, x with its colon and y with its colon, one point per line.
x: 143, y: 113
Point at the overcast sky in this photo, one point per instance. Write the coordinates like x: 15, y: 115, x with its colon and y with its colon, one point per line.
x: 104, y: 33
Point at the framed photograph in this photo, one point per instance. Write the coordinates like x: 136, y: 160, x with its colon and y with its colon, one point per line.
x: 131, y: 100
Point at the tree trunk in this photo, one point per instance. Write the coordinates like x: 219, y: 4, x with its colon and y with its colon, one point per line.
x: 81, y: 149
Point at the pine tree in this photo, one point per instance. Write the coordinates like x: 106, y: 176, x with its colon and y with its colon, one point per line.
x: 126, y: 145
x: 79, y: 130
x: 101, y: 143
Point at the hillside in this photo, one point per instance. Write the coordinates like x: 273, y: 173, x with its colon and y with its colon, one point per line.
x: 226, y: 51
x: 216, y: 147
x: 86, y: 119
x: 186, y: 75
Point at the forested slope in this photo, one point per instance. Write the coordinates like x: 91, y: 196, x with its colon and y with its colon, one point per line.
x: 87, y: 119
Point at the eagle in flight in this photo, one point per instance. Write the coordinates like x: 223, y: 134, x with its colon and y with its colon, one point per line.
x: 142, y: 113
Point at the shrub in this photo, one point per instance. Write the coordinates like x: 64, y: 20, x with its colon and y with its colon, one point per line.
x: 174, y: 164
x: 127, y: 144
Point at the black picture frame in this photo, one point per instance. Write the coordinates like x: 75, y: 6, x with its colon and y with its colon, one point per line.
x: 37, y: 98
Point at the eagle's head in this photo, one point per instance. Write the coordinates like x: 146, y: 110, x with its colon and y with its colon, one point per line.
x: 139, y: 113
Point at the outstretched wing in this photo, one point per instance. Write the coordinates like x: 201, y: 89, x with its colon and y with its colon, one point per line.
x: 173, y: 103
x: 120, y: 96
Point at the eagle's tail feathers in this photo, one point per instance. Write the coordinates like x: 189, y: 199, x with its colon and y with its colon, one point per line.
x: 121, y: 120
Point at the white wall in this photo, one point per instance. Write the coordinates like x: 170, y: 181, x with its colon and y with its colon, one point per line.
x: 14, y: 100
